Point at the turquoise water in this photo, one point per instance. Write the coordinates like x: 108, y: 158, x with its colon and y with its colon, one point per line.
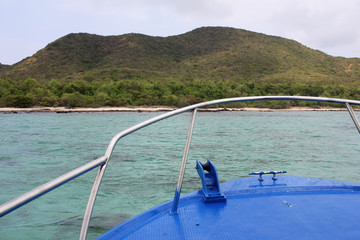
x: 37, y: 147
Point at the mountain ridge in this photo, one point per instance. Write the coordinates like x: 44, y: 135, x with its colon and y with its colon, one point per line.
x: 202, y: 51
x: 89, y: 70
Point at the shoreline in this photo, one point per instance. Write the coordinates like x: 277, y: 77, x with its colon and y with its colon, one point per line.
x: 155, y: 109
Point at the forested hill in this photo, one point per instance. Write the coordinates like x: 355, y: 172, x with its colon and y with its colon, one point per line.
x: 4, y: 68
x: 206, y: 63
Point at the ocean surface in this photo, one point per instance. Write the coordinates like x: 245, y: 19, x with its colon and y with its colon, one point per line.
x: 142, y: 173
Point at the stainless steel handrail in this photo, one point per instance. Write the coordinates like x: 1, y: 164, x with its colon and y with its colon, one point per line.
x: 47, y: 187
x: 124, y: 133
x: 353, y: 116
x: 102, y: 161
x: 183, y: 164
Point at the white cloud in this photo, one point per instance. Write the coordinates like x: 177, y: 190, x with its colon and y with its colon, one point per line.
x: 328, y: 25
x: 107, y: 8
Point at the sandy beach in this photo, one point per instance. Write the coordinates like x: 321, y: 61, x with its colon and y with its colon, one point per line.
x: 152, y: 109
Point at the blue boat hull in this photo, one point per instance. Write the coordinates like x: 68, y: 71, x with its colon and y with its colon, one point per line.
x: 288, y: 208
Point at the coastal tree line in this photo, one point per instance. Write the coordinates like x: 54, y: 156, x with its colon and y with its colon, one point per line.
x: 137, y: 92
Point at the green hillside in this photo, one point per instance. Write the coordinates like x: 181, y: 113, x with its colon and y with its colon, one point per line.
x: 4, y: 68
x: 210, y: 62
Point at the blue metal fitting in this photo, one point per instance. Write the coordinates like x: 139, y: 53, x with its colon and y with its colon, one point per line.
x: 210, y: 182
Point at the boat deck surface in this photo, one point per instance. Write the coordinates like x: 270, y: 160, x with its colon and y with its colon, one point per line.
x: 288, y: 208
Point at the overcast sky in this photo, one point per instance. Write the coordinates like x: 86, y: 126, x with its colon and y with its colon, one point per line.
x: 331, y: 26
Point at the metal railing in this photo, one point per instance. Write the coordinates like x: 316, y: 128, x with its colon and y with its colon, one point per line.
x: 102, y: 161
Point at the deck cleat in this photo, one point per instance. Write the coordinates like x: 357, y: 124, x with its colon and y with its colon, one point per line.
x: 210, y: 182
x: 271, y: 172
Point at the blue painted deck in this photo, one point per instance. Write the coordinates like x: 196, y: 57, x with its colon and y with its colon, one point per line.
x: 289, y: 208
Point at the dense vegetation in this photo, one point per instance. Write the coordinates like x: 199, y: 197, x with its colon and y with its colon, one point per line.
x: 138, y: 92
x: 204, y: 64
x: 4, y: 68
